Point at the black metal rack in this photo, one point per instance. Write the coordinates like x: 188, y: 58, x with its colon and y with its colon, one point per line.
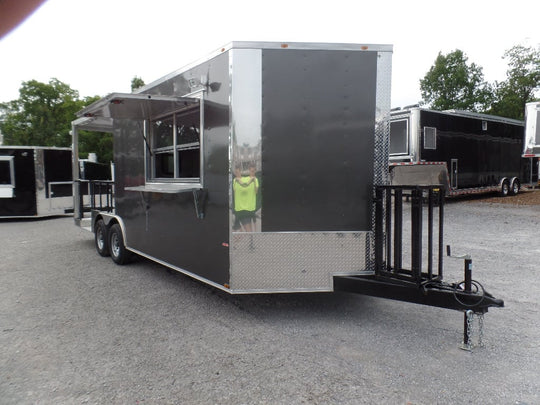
x: 422, y: 283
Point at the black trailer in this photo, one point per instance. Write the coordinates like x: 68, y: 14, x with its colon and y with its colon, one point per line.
x: 35, y: 181
x: 463, y: 151
x: 255, y: 169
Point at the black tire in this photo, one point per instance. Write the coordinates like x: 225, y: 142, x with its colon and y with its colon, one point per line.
x: 101, y: 238
x: 514, y: 189
x: 117, y: 249
x: 505, y: 188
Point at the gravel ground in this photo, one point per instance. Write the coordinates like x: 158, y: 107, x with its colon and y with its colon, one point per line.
x: 76, y: 328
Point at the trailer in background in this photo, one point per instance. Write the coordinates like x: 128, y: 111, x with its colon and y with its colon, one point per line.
x: 35, y: 181
x: 263, y: 168
x: 465, y: 152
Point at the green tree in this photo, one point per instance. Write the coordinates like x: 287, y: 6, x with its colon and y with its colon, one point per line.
x: 521, y: 84
x: 136, y: 83
x: 42, y: 116
x: 452, y: 83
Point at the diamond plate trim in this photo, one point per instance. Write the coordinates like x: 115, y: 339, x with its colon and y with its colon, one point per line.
x: 288, y: 262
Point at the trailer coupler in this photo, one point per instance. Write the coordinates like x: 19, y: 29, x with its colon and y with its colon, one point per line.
x: 430, y: 292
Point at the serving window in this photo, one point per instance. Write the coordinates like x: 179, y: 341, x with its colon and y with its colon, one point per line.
x: 175, y: 147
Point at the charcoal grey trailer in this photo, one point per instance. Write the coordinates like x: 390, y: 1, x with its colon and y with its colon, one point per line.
x: 466, y: 152
x: 35, y: 181
x: 254, y: 170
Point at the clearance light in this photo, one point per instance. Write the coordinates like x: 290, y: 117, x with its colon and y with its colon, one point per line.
x: 226, y: 286
x: 364, y: 47
x: 225, y: 244
x: 284, y: 46
x: 117, y: 101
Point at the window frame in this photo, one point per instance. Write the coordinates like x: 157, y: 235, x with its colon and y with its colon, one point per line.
x: 433, y: 144
x: 407, y: 146
x: 6, y: 190
x: 175, y: 182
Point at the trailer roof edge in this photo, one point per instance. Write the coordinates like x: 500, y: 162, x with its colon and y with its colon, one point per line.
x: 270, y: 45
x: 459, y: 113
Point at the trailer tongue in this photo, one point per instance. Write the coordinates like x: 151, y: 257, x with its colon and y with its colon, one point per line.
x: 423, y: 282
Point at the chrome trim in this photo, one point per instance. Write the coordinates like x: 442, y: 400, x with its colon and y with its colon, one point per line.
x: 179, y: 269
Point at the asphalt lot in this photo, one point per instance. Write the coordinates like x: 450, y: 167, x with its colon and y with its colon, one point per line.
x: 77, y: 329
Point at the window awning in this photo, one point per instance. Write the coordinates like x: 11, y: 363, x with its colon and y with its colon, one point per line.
x: 98, y: 124
x: 136, y: 106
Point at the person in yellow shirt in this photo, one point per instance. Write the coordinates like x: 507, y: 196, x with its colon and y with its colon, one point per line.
x: 245, y: 189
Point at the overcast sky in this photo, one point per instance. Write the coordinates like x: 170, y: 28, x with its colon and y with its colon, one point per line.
x: 98, y: 46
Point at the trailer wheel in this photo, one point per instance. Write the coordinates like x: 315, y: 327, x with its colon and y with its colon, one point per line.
x: 118, y: 251
x: 505, y: 188
x: 101, y: 239
x: 515, y: 187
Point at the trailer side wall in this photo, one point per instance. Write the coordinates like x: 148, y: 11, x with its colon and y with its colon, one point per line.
x: 486, y: 151
x: 165, y: 225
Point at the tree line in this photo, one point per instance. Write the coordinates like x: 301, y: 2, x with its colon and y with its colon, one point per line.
x: 454, y: 83
x: 42, y: 114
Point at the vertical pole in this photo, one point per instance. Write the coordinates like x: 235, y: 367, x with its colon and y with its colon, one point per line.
x: 430, y: 233
x: 468, y: 289
x: 77, y: 211
x: 442, y: 193
x: 416, y: 233
x: 388, y: 231
x: 398, y: 229
x: 379, y: 240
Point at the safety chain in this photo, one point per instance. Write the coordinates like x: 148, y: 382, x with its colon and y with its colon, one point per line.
x: 481, y: 330
x: 470, y: 331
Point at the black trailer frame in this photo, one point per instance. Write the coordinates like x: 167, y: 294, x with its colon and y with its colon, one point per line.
x: 465, y: 152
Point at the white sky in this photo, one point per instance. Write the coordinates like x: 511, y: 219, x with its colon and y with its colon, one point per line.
x: 98, y: 46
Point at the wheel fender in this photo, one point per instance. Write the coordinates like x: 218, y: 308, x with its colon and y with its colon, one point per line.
x: 503, y: 180
x: 109, y: 220
x: 513, y: 180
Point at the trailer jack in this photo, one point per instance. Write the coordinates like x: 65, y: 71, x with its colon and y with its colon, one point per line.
x: 390, y: 280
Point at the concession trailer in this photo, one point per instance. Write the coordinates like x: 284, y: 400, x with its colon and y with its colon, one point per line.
x: 263, y: 168
x: 466, y: 152
x: 35, y: 181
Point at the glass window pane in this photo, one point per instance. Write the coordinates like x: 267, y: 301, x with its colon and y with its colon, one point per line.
x: 187, y: 127
x: 164, y: 165
x: 189, y: 163
x: 5, y: 173
x: 399, y: 144
x: 162, y: 131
